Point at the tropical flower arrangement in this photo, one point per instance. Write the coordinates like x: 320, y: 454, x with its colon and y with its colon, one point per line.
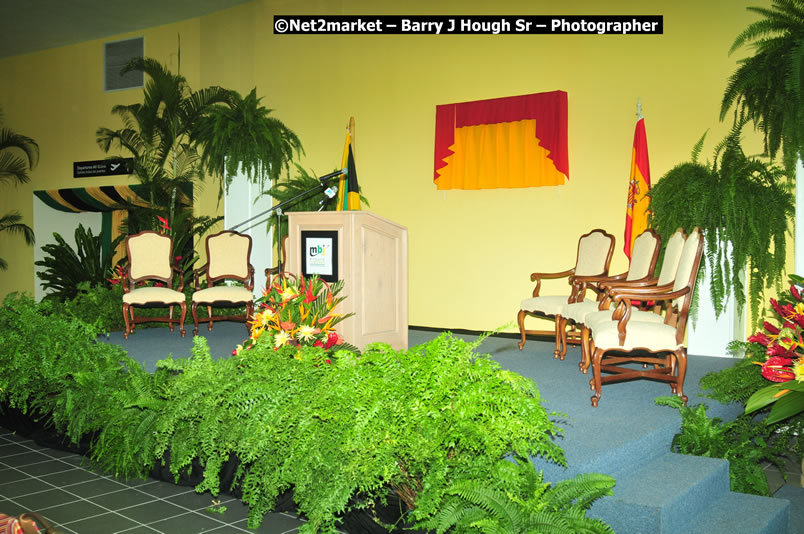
x: 298, y: 311
x: 784, y: 350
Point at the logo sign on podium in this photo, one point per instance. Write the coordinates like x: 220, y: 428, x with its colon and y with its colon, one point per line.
x: 320, y: 254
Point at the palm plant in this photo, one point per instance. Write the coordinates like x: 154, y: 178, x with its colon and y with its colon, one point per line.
x: 19, y: 154
x: 157, y: 133
x: 767, y: 87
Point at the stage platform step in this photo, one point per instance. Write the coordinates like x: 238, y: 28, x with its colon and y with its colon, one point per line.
x: 674, y: 494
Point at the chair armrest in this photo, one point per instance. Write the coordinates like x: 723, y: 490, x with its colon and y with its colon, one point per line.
x: 250, y: 281
x: 180, y: 274
x: 125, y: 279
x: 197, y: 274
x: 538, y: 277
x: 594, y: 282
x: 650, y: 292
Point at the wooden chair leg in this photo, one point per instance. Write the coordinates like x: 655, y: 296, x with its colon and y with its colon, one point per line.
x: 597, y: 379
x: 170, y: 318
x: 125, y: 320
x: 583, y: 365
x: 520, y: 319
x: 183, y: 307
x: 561, y: 337
x: 209, y: 314
x: 194, y: 310
x: 681, y: 356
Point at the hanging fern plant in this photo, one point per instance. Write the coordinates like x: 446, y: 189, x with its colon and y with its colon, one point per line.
x: 743, y: 205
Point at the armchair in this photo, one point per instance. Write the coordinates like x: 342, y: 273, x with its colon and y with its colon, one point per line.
x: 659, y: 346
x: 228, y: 258
x: 150, y: 258
x: 593, y: 259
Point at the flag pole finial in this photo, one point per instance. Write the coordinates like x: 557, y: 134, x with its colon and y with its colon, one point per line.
x: 639, y: 109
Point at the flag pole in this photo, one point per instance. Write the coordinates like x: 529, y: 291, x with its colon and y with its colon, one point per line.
x: 639, y: 114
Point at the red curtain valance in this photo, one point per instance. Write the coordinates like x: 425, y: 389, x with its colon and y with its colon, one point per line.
x: 547, y: 110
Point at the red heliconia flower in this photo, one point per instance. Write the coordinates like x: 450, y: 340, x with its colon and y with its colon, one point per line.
x: 795, y: 292
x: 799, y: 319
x: 164, y: 222
x: 776, y: 350
x: 328, y: 361
x: 332, y: 339
x: 770, y: 327
x: 783, y: 311
x: 308, y: 294
x: 777, y: 369
x: 761, y: 338
x: 318, y: 343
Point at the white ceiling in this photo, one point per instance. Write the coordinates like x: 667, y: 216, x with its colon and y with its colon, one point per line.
x: 32, y: 25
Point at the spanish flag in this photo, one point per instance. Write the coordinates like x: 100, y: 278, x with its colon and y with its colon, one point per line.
x: 636, y: 215
x: 348, y: 190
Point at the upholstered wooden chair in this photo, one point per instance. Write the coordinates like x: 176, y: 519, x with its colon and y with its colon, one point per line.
x: 593, y: 259
x: 644, y: 254
x: 659, y: 346
x: 150, y: 259
x: 587, y: 318
x: 228, y: 259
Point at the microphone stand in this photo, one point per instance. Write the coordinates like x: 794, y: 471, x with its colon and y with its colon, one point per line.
x: 277, y: 209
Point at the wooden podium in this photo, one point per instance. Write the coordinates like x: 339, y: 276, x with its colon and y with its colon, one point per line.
x: 370, y: 254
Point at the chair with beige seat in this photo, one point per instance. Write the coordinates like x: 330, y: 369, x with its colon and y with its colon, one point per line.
x: 593, y: 259
x: 644, y: 254
x: 587, y: 318
x: 150, y: 259
x: 628, y: 338
x: 228, y: 259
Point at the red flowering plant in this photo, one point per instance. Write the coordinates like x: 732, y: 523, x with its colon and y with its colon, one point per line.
x: 784, y: 350
x: 295, y: 312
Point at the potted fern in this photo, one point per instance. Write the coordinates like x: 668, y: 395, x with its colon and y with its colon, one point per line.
x: 743, y: 205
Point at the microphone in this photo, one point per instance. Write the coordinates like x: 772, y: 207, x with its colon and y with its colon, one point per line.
x: 331, y: 175
x: 330, y: 192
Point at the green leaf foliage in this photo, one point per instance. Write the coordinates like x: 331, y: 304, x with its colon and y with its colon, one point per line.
x: 66, y: 268
x: 745, y: 443
x: 340, y: 430
x: 513, y: 498
x: 54, y: 369
x: 303, y: 192
x: 19, y: 154
x: 767, y: 85
x: 743, y: 207
x: 740, y: 381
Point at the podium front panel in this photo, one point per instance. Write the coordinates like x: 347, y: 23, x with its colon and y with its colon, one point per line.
x: 372, y: 260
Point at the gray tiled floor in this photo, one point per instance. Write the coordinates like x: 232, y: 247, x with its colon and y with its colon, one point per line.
x: 60, y: 487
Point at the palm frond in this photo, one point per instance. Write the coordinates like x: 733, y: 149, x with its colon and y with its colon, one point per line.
x: 12, y: 223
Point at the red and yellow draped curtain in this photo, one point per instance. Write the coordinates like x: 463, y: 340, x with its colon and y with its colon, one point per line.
x: 518, y: 141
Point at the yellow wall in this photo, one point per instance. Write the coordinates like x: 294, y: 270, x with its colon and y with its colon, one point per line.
x: 471, y: 252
